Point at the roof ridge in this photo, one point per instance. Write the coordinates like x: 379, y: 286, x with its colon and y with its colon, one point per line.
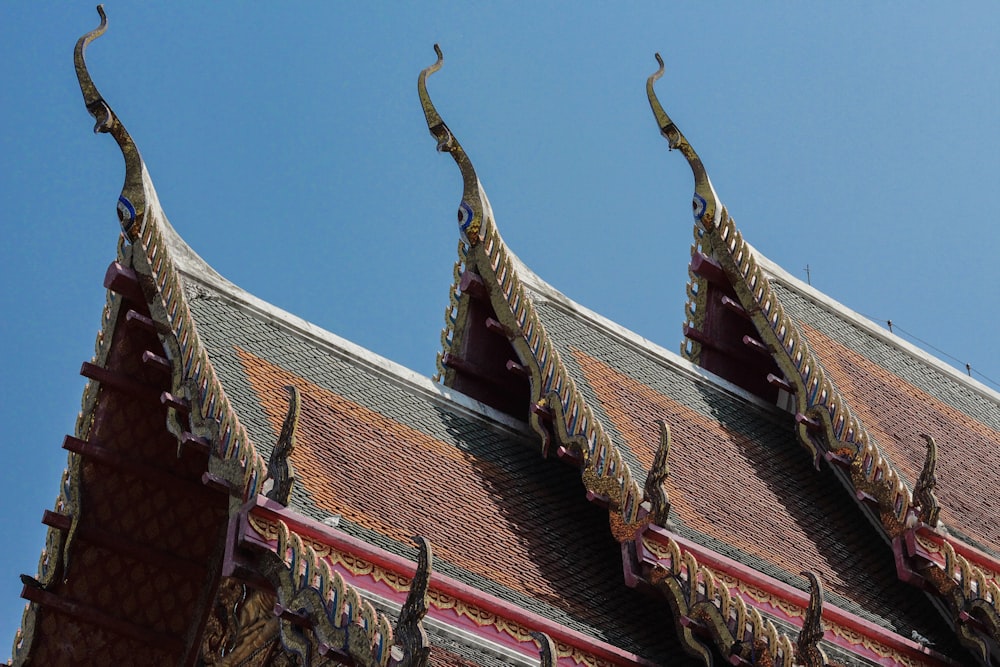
x: 871, y: 327
x: 824, y: 416
x: 633, y: 340
x: 393, y: 371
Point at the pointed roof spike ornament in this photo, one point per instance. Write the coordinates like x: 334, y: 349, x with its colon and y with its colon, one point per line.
x: 705, y: 204
x: 548, y: 655
x: 923, y: 492
x: 279, y: 466
x: 807, y: 650
x: 411, y: 636
x: 654, y: 492
x: 132, y: 200
x: 474, y: 210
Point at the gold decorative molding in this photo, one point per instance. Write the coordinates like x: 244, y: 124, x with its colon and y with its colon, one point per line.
x: 451, y: 313
x: 736, y: 588
x: 142, y: 248
x: 699, y: 599
x: 360, y: 567
x: 340, y: 619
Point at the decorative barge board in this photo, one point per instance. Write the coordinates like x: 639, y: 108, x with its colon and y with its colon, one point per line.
x: 851, y: 411
x: 746, y: 628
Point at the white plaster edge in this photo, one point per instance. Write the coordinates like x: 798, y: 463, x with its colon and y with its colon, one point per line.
x: 657, y: 353
x: 838, y: 309
x: 188, y: 262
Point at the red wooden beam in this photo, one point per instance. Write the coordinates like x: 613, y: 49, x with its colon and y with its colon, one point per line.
x: 734, y: 306
x: 153, y: 360
x: 494, y: 326
x: 92, y: 616
x: 113, y: 459
x: 517, y: 369
x: 753, y: 344
x: 780, y: 383
x: 810, y: 423
x: 118, y: 544
x: 195, y: 442
x: 572, y: 457
x: 789, y: 593
x: 175, y: 402
x: 271, y: 510
x: 139, y: 320
x: 837, y: 459
x: 543, y: 411
x: 709, y: 269
x: 291, y: 615
x: 472, y: 370
x: 123, y: 280
x: 118, y: 381
x: 473, y: 285
x: 980, y: 558
x: 216, y: 483
x: 699, y: 336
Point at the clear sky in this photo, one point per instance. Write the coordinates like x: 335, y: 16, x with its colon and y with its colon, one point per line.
x: 289, y: 149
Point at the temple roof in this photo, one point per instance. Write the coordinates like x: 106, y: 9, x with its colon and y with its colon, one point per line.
x: 903, y: 392
x: 594, y: 390
x: 393, y: 455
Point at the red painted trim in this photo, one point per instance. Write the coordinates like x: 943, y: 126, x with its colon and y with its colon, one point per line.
x: 306, y: 527
x: 902, y: 552
x: 971, y: 553
x: 788, y: 593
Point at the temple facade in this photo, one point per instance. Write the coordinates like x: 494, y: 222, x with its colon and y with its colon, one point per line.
x: 245, y: 488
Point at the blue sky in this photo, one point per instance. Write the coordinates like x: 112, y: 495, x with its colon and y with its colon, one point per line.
x: 289, y: 149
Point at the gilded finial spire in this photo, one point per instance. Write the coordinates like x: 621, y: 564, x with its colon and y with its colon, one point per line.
x: 705, y: 204
x: 131, y: 202
x: 474, y: 209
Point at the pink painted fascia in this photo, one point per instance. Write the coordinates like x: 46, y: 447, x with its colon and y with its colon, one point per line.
x: 787, y: 593
x: 268, y: 509
x: 980, y: 558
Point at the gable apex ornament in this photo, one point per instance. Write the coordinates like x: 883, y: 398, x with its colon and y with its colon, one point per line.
x: 705, y: 204
x: 132, y: 200
x: 474, y: 210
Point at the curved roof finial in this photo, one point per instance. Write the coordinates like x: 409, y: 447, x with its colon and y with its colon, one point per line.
x: 131, y: 202
x: 707, y: 209
x: 474, y: 209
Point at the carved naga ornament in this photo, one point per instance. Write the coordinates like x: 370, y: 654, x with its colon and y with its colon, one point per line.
x: 807, y: 650
x: 705, y: 204
x: 654, y: 492
x: 132, y: 200
x: 923, y: 492
x: 279, y: 466
x: 474, y: 210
